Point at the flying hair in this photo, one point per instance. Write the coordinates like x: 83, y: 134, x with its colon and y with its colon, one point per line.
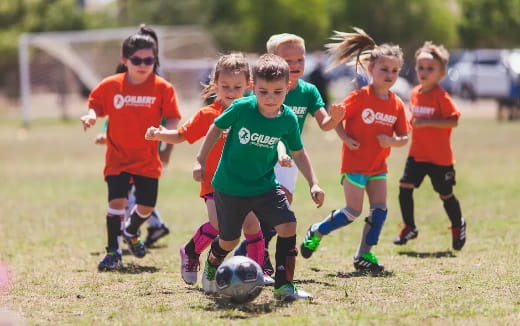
x: 359, y: 48
x: 234, y: 62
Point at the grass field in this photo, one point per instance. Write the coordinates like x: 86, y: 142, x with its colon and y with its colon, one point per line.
x: 53, y: 230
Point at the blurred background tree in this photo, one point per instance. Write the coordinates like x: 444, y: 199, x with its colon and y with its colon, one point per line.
x: 245, y: 25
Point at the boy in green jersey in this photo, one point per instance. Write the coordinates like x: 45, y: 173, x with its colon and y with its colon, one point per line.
x: 245, y: 180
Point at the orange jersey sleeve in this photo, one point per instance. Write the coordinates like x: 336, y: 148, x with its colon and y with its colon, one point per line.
x: 367, y: 116
x: 132, y: 109
x: 431, y: 144
x: 196, y: 128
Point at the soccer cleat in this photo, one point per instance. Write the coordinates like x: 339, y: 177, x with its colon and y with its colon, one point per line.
x: 289, y: 292
x: 310, y: 243
x: 135, y: 245
x: 407, y: 233
x: 268, y: 280
x: 209, y: 285
x: 111, y: 262
x: 189, y: 267
x: 368, y: 263
x: 154, y: 234
x: 458, y: 235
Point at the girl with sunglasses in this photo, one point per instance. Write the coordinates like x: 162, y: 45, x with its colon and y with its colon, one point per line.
x: 133, y: 99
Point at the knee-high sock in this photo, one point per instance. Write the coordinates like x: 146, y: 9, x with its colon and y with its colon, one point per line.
x: 407, y: 206
x: 256, y: 247
x: 201, y: 239
x: 452, y: 207
x: 286, y: 253
x: 114, y: 220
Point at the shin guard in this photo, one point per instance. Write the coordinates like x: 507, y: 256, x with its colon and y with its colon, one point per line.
x: 376, y: 225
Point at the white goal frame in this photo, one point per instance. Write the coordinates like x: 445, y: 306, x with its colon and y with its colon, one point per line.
x: 59, y: 46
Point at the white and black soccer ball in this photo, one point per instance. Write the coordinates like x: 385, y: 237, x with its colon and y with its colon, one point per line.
x: 239, y: 279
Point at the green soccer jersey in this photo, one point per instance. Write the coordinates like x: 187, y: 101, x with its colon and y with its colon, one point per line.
x: 303, y: 100
x: 246, y: 167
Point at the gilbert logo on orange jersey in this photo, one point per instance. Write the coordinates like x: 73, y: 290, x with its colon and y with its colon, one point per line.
x: 132, y: 100
x: 369, y: 116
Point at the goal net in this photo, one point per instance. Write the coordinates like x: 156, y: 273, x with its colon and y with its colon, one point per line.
x: 58, y: 69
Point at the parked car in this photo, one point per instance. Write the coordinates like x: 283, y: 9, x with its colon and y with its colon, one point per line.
x: 490, y: 73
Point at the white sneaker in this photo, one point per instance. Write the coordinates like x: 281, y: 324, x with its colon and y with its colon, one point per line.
x: 268, y: 280
x: 189, y: 267
x: 209, y: 285
x: 289, y: 292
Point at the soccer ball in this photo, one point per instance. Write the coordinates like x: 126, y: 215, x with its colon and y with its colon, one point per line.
x: 239, y: 279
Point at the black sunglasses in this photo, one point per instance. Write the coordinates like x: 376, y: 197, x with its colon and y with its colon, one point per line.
x: 136, y: 61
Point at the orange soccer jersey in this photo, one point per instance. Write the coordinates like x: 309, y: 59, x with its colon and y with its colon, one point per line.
x: 196, y: 128
x: 132, y: 109
x: 366, y: 116
x: 430, y: 144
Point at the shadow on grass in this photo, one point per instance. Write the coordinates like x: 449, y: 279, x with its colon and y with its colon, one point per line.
x: 243, y: 311
x: 138, y: 269
x: 362, y: 274
x: 437, y: 254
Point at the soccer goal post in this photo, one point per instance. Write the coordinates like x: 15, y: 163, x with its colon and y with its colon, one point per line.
x: 58, y: 69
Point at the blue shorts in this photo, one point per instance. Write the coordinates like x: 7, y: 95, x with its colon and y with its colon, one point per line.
x: 361, y: 180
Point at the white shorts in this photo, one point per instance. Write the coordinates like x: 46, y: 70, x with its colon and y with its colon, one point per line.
x: 287, y: 176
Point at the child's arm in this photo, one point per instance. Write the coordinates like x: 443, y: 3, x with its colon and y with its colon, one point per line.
x: 328, y: 122
x: 394, y: 141
x: 450, y: 122
x: 167, y: 151
x: 304, y: 165
x: 283, y: 159
x: 164, y: 135
x: 351, y: 143
x: 208, y: 143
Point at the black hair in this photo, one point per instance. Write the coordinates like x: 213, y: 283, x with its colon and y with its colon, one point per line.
x: 145, y: 38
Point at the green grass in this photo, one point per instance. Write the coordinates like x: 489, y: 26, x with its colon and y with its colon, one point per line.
x: 53, y: 230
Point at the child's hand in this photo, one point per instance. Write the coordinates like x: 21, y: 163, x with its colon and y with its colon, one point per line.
x: 318, y: 195
x: 101, y: 139
x: 337, y: 112
x: 198, y: 172
x: 285, y: 161
x: 352, y: 144
x: 384, y: 140
x: 152, y: 133
x: 88, y: 120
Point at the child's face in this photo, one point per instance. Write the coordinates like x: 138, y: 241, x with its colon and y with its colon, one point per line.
x: 270, y: 96
x: 139, y: 73
x: 294, y: 55
x: 429, y: 72
x: 384, y: 72
x: 230, y: 86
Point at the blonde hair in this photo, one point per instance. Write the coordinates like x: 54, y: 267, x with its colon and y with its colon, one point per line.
x: 438, y: 52
x: 233, y: 62
x: 360, y: 45
x: 278, y: 39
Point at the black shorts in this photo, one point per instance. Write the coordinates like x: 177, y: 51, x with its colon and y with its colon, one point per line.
x: 145, y: 188
x: 441, y: 176
x: 271, y: 208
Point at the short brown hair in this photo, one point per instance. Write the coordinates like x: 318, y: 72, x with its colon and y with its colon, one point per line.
x: 271, y: 67
x: 438, y: 52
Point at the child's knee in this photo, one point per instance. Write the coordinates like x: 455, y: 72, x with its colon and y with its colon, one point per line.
x: 286, y: 229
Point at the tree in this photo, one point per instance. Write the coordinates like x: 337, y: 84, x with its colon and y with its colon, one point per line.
x: 490, y: 23
x: 407, y: 23
x: 246, y: 24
